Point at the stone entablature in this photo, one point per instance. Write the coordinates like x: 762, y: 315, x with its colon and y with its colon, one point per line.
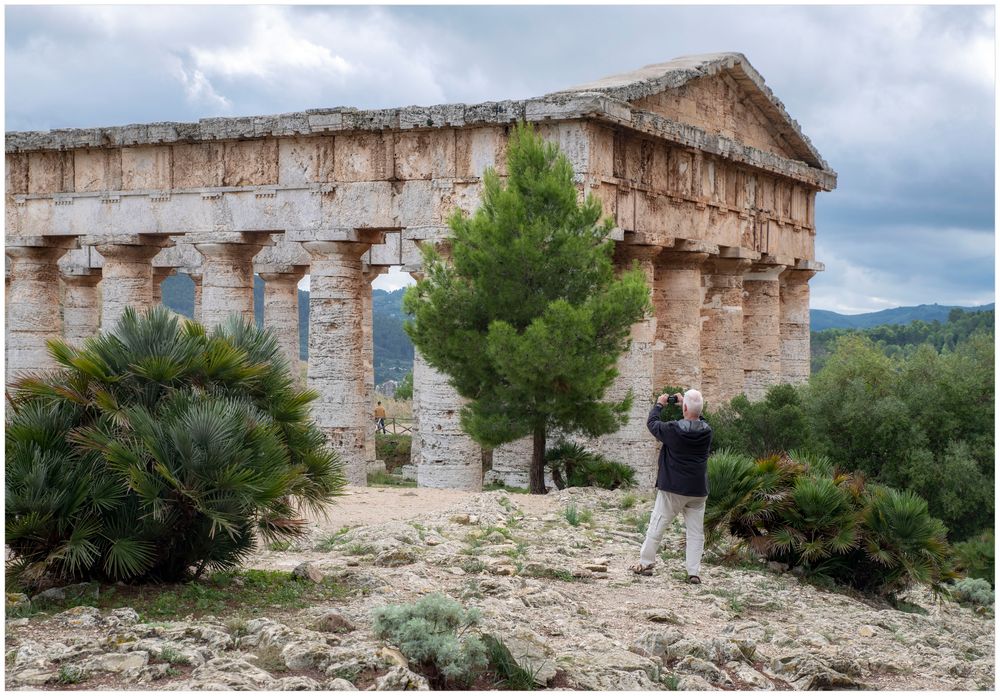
x: 711, y: 186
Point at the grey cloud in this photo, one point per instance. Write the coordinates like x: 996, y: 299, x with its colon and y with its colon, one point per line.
x: 899, y: 99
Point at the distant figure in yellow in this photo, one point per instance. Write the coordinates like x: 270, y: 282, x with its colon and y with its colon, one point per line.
x: 379, y: 418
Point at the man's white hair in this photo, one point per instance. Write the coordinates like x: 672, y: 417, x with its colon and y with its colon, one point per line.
x: 694, y: 402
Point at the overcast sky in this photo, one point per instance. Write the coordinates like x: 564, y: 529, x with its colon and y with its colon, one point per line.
x: 899, y: 100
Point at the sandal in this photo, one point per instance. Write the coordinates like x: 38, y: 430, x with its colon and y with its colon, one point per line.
x: 640, y: 569
x: 694, y: 580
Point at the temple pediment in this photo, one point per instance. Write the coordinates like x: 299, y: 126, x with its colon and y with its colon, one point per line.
x: 720, y: 93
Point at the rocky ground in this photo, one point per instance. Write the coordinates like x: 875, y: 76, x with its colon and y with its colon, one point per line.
x: 561, y: 597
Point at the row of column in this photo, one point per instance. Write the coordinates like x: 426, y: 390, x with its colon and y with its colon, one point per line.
x: 724, y: 325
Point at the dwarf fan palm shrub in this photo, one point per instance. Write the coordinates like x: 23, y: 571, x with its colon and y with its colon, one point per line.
x: 572, y: 464
x: 829, y: 523
x: 157, y: 451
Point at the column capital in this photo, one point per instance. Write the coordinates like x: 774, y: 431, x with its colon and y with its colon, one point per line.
x: 796, y: 275
x: 719, y: 265
x: 12, y: 244
x: 281, y: 272
x: 83, y: 276
x: 681, y: 260
x: 162, y: 272
x: 349, y: 249
x: 371, y: 272
x: 254, y: 238
x: 643, y: 253
x: 153, y: 240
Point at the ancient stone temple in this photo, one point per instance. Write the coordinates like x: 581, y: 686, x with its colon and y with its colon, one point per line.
x: 711, y: 185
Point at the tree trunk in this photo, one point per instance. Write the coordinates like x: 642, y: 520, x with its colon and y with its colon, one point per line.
x: 537, y: 474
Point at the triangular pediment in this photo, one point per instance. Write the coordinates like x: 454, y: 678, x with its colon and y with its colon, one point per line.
x: 719, y: 93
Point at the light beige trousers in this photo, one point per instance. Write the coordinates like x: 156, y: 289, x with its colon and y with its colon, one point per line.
x: 666, y: 508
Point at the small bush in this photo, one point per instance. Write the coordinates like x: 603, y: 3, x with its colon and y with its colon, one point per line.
x: 575, y: 516
x: 573, y: 465
x: 393, y: 449
x: 973, y: 591
x: 433, y: 634
x: 69, y: 674
x: 628, y: 501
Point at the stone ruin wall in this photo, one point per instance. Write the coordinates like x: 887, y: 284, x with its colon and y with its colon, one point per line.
x: 724, y: 232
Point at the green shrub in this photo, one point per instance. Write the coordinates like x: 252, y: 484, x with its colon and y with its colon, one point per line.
x: 871, y: 537
x: 393, y: 449
x: 775, y: 424
x: 404, y: 392
x: 573, y: 465
x: 433, y: 633
x: 158, y: 451
x: 973, y: 591
x: 975, y: 557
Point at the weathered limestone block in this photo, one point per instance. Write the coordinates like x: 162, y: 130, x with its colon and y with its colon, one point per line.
x: 127, y: 275
x: 449, y: 458
x: 97, y: 170
x: 196, y: 164
x: 304, y: 161
x: 722, y: 329
x: 336, y: 360
x: 227, y: 279
x: 250, y: 162
x: 281, y: 309
x: 677, y: 299
x: 363, y: 157
x: 761, y: 330
x: 50, y: 172
x: 145, y: 168
x: 479, y: 148
x: 424, y: 155
x: 33, y: 312
x: 632, y: 444
x: 794, y: 319
x: 81, y: 304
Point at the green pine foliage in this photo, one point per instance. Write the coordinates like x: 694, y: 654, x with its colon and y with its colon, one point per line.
x: 529, y: 318
x: 573, y: 465
x: 434, y: 634
x: 831, y: 524
x: 157, y: 451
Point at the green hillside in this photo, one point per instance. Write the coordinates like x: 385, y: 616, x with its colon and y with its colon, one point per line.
x: 822, y: 319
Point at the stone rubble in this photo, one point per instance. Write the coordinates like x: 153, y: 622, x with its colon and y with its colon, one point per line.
x: 743, y: 628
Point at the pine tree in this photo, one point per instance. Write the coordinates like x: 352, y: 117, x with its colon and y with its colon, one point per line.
x: 528, y: 319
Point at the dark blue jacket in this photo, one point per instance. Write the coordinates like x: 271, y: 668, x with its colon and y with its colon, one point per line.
x: 684, y: 454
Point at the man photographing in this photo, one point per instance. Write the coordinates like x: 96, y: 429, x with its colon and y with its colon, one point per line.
x: 681, y: 481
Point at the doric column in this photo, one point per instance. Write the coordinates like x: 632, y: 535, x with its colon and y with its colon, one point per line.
x: 761, y: 330
x: 370, y: 273
x: 632, y: 444
x: 195, y: 277
x: 336, y: 362
x: 512, y: 463
x: 81, y: 304
x: 281, y: 308
x: 448, y: 457
x: 722, y: 329
x: 160, y: 273
x: 794, y: 318
x: 227, y: 276
x: 33, y: 312
x: 677, y: 303
x: 127, y: 274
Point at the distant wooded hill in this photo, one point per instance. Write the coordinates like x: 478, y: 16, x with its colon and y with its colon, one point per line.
x: 821, y: 319
x: 394, y: 352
